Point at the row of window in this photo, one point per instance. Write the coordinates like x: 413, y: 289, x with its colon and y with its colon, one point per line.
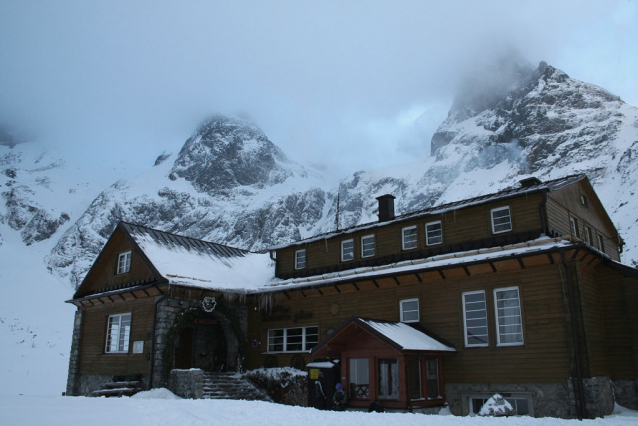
x: 388, y: 378
x: 587, y: 234
x: 500, y: 217
x: 509, y: 321
x: 507, y: 310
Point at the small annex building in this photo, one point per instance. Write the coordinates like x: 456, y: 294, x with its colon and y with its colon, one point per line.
x: 519, y: 292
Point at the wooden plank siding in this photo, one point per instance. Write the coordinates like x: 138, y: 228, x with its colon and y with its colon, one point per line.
x: 94, y: 360
x: 618, y: 299
x: 103, y: 274
x: 566, y: 202
x: 459, y: 226
x: 546, y: 352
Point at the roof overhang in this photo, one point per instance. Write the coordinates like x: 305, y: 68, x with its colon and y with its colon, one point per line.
x: 400, y: 336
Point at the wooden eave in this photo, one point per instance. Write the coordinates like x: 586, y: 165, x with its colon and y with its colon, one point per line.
x: 123, y: 293
x: 517, y: 261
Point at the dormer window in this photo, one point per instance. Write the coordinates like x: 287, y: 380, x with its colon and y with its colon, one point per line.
x: 300, y: 259
x: 583, y: 201
x: 124, y: 263
x: 367, y: 246
x: 347, y: 250
x: 408, y: 238
x: 433, y: 233
x: 501, y: 220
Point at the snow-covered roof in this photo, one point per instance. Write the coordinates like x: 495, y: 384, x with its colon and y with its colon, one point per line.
x: 531, y: 187
x: 406, y: 337
x: 197, y: 263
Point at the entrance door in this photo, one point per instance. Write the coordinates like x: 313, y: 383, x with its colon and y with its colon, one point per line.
x: 184, y: 349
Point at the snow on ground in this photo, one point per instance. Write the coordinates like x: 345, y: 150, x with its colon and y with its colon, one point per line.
x: 70, y: 411
x: 35, y: 324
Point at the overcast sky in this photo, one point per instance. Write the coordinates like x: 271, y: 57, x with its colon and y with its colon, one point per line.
x: 339, y: 82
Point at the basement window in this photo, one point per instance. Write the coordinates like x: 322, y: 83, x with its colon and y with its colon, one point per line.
x: 118, y: 334
x: 124, y: 263
x: 408, y: 237
x: 501, y: 220
x: 300, y: 259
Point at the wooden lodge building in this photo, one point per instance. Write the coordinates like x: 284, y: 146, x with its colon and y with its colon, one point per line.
x: 520, y: 293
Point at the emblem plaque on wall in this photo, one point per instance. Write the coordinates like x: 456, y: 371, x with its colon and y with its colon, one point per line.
x: 209, y: 304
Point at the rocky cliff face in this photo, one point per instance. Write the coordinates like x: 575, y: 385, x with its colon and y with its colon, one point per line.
x: 228, y: 184
x: 232, y: 185
x: 543, y: 123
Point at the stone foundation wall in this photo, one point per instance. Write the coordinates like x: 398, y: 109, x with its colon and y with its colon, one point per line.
x: 233, y: 317
x: 599, y: 397
x: 547, y: 399
x: 626, y: 393
x: 88, y: 383
x: 187, y: 383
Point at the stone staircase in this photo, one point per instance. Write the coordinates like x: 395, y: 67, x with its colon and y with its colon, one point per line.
x: 231, y: 386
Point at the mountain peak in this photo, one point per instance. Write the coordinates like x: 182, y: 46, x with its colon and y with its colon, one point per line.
x: 227, y: 152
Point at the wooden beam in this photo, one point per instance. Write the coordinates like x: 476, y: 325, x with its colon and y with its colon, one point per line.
x: 418, y: 278
x: 441, y: 273
x: 467, y: 271
x: 122, y: 297
x: 575, y: 253
x: 337, y: 288
x: 355, y: 286
x: 396, y: 281
x: 375, y: 283
x: 520, y: 262
x: 493, y: 267
x: 594, y: 258
x: 303, y: 294
x: 287, y: 295
x: 146, y: 292
x: 551, y: 258
x: 319, y: 290
x: 109, y: 297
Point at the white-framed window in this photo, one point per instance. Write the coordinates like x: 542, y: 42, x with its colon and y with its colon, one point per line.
x: 433, y: 233
x: 509, y: 321
x: 294, y: 339
x: 501, y: 220
x: 388, y: 374
x: 367, y: 246
x: 601, y: 245
x: 587, y: 235
x: 409, y: 310
x: 347, y: 250
x: 300, y: 259
x: 118, y: 334
x: 409, y: 238
x: 583, y: 201
x: 573, y: 223
x: 124, y: 262
x: 475, y: 319
x: 359, y: 374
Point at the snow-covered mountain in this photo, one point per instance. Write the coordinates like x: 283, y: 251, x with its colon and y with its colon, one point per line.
x: 230, y: 184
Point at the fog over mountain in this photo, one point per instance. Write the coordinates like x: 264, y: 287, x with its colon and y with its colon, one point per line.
x: 230, y: 184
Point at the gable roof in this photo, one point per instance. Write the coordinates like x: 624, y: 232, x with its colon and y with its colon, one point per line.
x: 197, y: 263
x: 532, y: 186
x: 400, y: 336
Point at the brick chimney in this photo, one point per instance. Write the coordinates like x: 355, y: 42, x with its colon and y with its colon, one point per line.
x: 386, y: 207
